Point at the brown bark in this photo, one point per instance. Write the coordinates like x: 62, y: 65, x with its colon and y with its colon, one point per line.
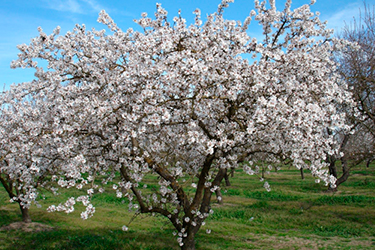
x: 201, y: 200
x: 226, y: 177
x: 8, y: 186
x: 24, y: 211
x: 345, y: 172
x: 189, y: 241
x: 25, y: 214
x: 199, y: 193
x: 205, y: 204
x: 332, y: 166
x: 302, y: 174
x: 219, y: 196
x: 344, y: 176
x: 344, y: 164
x: 232, y: 172
x: 369, y: 162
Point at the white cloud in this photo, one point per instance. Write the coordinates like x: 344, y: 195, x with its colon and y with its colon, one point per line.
x: 94, y: 5
x: 66, y: 6
x: 74, y: 6
x: 344, y: 16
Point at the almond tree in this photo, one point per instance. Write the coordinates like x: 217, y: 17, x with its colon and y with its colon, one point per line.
x: 357, y: 66
x: 32, y: 150
x: 177, y: 105
x: 25, y: 151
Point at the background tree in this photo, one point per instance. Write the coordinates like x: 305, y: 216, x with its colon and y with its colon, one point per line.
x: 32, y: 149
x: 357, y: 66
x: 173, y: 108
x: 23, y: 150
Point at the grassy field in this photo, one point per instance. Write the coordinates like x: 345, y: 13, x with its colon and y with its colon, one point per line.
x: 296, y: 214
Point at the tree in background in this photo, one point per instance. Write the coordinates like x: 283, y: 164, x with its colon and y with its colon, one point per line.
x: 357, y: 66
x: 26, y: 152
x: 173, y: 108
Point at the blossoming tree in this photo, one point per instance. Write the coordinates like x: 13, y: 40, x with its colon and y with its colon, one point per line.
x: 185, y: 103
x: 27, y: 154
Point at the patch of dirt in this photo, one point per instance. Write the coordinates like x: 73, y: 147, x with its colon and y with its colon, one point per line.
x: 27, y: 227
x: 6, y: 208
x: 359, y: 174
x: 313, y: 243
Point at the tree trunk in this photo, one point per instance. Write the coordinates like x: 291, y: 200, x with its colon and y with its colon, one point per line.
x: 232, y: 172
x: 332, y: 166
x: 332, y: 189
x: 219, y: 196
x: 344, y: 176
x: 189, y: 242
x: 345, y: 172
x: 25, y: 214
x: 9, y: 188
x: 227, y: 182
x: 302, y: 174
x: 332, y: 171
x: 369, y: 162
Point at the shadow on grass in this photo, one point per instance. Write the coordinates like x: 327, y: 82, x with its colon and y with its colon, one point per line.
x: 89, y: 239
x: 9, y: 215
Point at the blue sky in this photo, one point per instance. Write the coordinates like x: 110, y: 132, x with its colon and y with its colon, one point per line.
x: 19, y: 19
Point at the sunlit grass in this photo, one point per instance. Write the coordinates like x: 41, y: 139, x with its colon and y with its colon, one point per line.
x: 296, y: 214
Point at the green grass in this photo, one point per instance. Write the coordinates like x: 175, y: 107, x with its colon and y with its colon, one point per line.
x: 296, y: 214
x: 354, y: 200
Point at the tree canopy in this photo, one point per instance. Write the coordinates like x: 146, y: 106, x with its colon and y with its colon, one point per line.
x: 181, y: 102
